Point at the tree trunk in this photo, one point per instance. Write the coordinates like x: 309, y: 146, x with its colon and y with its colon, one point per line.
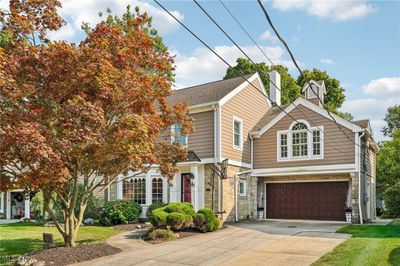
x: 69, y: 239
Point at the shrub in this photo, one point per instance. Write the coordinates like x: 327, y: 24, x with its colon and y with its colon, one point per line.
x: 177, y: 215
x: 37, y: 207
x: 162, y: 234
x: 152, y: 207
x: 206, y: 221
x: 120, y: 212
x: 392, y: 199
x: 93, y: 208
x: 176, y: 220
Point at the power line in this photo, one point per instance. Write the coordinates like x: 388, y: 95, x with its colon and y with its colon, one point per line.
x: 248, y: 57
x: 222, y: 59
x: 248, y: 34
x: 298, y: 68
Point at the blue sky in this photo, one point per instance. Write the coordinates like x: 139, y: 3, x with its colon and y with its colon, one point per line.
x: 357, y: 42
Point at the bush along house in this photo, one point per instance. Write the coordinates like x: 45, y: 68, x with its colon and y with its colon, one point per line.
x: 252, y: 158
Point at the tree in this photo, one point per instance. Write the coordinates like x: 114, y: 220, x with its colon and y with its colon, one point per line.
x: 388, y: 168
x: 392, y: 119
x: 82, y: 114
x: 334, y: 97
x: 290, y: 90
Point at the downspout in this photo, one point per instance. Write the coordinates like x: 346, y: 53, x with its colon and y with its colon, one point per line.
x: 217, y: 140
x: 359, y: 177
x: 251, y: 151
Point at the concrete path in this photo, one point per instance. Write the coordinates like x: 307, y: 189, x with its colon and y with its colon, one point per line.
x: 241, y: 244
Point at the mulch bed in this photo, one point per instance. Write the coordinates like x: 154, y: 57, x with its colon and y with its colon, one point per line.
x: 131, y: 227
x: 68, y: 255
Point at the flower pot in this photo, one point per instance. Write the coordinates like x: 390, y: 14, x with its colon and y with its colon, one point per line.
x: 348, y: 217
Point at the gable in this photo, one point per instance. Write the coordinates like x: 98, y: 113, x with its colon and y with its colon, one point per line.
x: 314, y: 109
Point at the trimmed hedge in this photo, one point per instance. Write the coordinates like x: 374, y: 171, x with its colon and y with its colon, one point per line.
x: 175, y: 215
x: 152, y: 207
x: 120, y: 212
x: 206, y: 221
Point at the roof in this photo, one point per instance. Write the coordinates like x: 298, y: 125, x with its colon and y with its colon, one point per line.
x: 205, y: 93
x: 268, y: 116
x: 364, y: 123
x: 192, y: 157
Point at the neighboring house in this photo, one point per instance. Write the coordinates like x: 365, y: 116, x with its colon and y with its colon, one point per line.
x: 299, y: 163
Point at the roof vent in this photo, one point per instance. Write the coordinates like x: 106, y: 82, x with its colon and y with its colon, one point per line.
x: 316, y: 92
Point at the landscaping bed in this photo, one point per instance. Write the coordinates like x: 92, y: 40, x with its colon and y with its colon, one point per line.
x: 370, y: 245
x: 177, y: 235
x: 69, y: 255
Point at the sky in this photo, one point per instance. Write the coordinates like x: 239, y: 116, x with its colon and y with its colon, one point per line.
x: 356, y: 42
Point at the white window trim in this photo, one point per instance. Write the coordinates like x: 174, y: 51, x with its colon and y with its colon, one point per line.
x: 2, y: 202
x: 173, y: 137
x: 237, y: 119
x: 310, y: 155
x: 244, y: 193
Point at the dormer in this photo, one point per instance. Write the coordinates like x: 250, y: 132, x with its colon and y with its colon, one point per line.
x: 317, y: 91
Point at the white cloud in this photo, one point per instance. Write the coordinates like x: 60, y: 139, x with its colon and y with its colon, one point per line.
x: 327, y: 61
x: 371, y: 108
x: 75, y: 12
x: 268, y: 36
x: 203, y: 66
x: 336, y: 10
x: 383, y: 86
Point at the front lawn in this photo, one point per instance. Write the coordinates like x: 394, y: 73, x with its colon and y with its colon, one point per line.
x: 20, y: 238
x: 369, y: 245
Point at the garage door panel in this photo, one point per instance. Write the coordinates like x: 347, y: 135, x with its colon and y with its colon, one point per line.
x: 306, y: 200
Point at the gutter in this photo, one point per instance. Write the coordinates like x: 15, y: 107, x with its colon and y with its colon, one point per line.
x: 359, y: 178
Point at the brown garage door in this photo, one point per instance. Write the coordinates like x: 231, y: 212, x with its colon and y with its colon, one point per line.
x: 313, y: 200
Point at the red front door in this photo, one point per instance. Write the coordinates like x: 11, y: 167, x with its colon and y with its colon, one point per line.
x: 186, y: 188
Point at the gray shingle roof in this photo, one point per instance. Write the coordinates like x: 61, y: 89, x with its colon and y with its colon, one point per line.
x: 362, y: 123
x: 205, y: 93
x: 268, y: 116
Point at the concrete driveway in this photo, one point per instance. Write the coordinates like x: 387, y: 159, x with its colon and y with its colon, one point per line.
x: 255, y: 243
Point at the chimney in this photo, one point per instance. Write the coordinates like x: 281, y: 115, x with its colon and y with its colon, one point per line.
x: 315, y: 94
x: 275, y: 87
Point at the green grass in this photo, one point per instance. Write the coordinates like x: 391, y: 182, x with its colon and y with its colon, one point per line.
x: 20, y: 238
x: 370, y: 245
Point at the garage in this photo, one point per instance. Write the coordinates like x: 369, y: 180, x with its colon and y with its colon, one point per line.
x: 306, y: 200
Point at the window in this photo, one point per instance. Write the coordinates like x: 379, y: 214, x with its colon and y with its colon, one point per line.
x: 1, y: 202
x: 176, y: 136
x: 284, y: 146
x: 242, y: 188
x: 157, y: 190
x: 237, y: 133
x: 300, y: 142
x: 139, y: 186
x: 134, y: 189
x: 316, y: 142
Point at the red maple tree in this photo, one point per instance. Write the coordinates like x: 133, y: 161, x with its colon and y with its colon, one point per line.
x: 82, y: 114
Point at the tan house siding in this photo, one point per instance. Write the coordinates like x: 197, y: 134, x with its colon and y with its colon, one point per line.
x: 249, y: 105
x: 201, y: 141
x: 337, y: 148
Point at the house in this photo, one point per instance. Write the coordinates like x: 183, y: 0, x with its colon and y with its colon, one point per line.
x: 250, y: 157
x: 282, y: 162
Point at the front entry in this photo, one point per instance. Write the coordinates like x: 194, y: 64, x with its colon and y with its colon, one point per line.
x: 17, y: 205
x: 308, y: 200
x: 186, y: 187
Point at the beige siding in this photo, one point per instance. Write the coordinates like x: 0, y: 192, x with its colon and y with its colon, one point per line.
x: 337, y: 148
x: 201, y: 141
x: 249, y: 105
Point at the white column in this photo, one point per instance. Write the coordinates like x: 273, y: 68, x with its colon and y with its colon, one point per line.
x: 195, y: 171
x: 27, y: 206
x: 8, y: 202
x: 148, y: 188
x: 119, y: 188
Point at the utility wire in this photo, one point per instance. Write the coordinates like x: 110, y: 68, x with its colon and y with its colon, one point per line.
x: 248, y: 57
x: 222, y: 59
x: 248, y: 34
x: 301, y: 72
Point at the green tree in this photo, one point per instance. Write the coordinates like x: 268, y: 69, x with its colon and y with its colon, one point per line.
x: 392, y: 119
x: 290, y: 90
x: 334, y: 97
x: 388, y: 161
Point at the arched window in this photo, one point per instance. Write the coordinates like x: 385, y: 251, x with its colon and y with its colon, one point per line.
x: 300, y: 141
x: 157, y: 190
